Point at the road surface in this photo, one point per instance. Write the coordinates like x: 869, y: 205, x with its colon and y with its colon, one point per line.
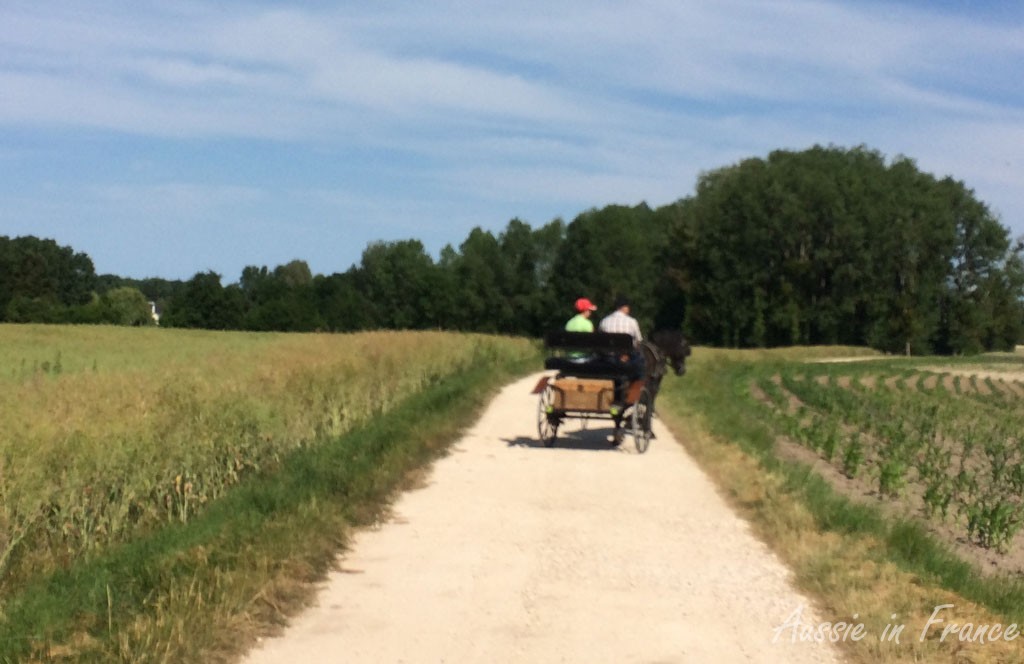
x: 513, y: 552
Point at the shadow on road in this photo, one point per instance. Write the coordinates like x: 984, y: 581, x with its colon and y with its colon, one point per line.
x: 596, y: 439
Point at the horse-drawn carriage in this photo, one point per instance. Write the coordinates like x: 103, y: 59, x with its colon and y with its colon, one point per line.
x: 593, y: 382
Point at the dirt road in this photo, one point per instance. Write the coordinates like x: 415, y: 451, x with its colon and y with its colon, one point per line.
x: 580, y: 553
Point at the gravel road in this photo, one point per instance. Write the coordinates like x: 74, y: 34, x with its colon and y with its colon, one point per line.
x: 581, y: 553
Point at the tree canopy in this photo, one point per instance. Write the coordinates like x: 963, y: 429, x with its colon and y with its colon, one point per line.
x: 821, y: 246
x: 833, y: 246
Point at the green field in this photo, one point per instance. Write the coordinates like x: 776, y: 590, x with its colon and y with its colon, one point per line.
x: 133, y: 457
x: 889, y: 485
x: 945, y: 444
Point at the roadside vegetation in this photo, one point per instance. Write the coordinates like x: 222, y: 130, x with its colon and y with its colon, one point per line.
x: 890, y: 486
x: 167, y: 495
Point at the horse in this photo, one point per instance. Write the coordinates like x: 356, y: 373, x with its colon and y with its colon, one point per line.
x: 674, y: 346
x: 665, y: 348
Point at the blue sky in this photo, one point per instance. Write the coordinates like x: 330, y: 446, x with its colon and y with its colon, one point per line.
x: 165, y: 139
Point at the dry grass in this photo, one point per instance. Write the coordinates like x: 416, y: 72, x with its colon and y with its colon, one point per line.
x: 113, y: 430
x: 318, y: 431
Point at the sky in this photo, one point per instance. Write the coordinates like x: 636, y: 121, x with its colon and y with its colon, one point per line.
x: 165, y: 139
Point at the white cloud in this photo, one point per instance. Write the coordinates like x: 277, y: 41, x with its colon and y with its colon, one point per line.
x: 498, y: 104
x: 587, y: 57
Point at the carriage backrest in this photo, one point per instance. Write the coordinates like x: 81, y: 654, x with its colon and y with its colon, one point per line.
x: 591, y: 342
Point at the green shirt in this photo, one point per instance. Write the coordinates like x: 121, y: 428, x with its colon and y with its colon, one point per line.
x: 579, y: 323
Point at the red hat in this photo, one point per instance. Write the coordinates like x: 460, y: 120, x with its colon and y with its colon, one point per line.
x: 583, y: 304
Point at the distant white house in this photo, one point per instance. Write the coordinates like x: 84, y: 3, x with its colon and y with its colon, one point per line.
x: 154, y: 314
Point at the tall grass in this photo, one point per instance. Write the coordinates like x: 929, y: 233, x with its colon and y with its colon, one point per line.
x: 110, y: 432
x: 203, y: 590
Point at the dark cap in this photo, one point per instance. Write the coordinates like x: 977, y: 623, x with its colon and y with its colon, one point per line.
x: 622, y: 301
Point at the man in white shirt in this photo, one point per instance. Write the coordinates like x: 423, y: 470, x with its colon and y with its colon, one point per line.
x: 633, y: 364
x: 620, y: 321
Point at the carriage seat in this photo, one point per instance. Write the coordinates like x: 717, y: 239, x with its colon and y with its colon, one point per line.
x: 600, y: 348
x: 590, y: 367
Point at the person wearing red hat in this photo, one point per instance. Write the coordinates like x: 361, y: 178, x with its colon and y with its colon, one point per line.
x: 581, y: 321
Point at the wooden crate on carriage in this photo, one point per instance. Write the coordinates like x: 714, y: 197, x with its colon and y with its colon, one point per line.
x: 583, y: 394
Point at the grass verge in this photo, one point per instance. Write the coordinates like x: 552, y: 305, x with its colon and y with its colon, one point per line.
x: 203, y: 591
x: 859, y: 565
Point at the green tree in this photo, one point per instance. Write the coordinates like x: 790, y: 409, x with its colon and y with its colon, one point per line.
x: 481, y: 271
x: 342, y: 304
x: 127, y: 306
x: 837, y: 246
x: 294, y: 274
x: 282, y: 300
x: 502, y: 283
x: 398, y: 280
x: 46, y: 309
x: 985, y: 274
x: 205, y: 303
x: 612, y: 251
x: 44, y: 277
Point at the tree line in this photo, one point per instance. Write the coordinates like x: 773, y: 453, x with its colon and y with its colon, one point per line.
x: 43, y: 282
x: 822, y: 246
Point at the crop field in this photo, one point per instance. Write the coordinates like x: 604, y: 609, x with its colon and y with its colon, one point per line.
x: 889, y: 485
x: 942, y: 443
x: 111, y: 432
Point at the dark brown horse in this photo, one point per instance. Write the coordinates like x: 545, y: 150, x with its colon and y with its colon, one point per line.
x: 665, y: 348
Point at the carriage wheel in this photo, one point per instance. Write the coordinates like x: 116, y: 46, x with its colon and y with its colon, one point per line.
x: 642, y: 411
x: 547, y: 419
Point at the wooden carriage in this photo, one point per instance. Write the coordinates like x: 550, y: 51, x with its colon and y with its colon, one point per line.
x: 592, y: 381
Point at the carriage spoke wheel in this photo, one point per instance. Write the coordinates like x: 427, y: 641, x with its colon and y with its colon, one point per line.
x: 547, y: 419
x: 642, y: 411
